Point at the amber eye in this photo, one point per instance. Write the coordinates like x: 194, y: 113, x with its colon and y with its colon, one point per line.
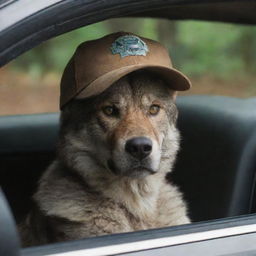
x: 109, y: 110
x: 154, y: 109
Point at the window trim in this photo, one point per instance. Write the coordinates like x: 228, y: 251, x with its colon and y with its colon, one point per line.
x: 150, y: 239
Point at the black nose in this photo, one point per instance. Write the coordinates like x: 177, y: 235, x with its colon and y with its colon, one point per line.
x: 139, y: 147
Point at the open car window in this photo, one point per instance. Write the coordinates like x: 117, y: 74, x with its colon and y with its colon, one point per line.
x: 215, y: 167
x: 215, y: 64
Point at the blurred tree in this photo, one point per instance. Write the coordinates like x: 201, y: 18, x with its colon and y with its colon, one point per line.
x: 206, y: 48
x: 247, y: 48
x: 167, y: 33
x: 197, y: 48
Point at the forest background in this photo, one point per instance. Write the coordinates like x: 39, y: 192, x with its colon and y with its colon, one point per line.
x: 219, y: 58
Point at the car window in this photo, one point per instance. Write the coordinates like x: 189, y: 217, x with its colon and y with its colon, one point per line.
x: 219, y: 59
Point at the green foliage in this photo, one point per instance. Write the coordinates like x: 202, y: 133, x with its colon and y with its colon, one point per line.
x: 197, y: 48
x: 63, y: 47
x: 210, y: 48
x: 54, y: 54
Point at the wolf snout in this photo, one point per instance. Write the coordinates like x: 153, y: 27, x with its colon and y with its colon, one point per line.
x: 139, y: 147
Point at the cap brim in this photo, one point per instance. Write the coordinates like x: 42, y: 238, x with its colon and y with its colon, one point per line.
x: 174, y: 79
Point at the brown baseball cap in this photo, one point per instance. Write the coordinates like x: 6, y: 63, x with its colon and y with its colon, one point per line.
x: 97, y: 64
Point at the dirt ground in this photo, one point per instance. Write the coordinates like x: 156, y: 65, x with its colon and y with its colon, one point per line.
x: 21, y: 93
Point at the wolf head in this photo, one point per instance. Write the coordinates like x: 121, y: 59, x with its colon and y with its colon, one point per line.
x: 129, y: 130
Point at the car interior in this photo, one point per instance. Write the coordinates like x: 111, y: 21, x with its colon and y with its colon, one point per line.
x: 218, y: 145
x: 216, y: 166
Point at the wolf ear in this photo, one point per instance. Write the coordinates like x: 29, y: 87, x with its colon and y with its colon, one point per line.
x: 173, y: 94
x: 174, y: 114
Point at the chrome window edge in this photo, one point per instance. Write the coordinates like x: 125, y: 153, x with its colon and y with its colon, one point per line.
x: 161, y: 242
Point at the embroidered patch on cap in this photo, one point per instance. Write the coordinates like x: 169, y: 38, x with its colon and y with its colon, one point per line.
x: 129, y: 45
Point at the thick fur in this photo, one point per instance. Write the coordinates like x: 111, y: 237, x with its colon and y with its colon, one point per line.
x: 94, y: 187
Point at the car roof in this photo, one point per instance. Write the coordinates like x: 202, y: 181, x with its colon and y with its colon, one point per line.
x: 26, y: 23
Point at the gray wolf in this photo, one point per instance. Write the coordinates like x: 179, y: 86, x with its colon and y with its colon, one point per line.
x: 118, y: 140
x: 114, y: 152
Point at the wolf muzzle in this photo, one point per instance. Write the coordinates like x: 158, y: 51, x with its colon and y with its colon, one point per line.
x: 139, y: 147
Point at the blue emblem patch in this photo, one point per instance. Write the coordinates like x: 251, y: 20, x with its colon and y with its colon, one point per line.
x: 129, y: 45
